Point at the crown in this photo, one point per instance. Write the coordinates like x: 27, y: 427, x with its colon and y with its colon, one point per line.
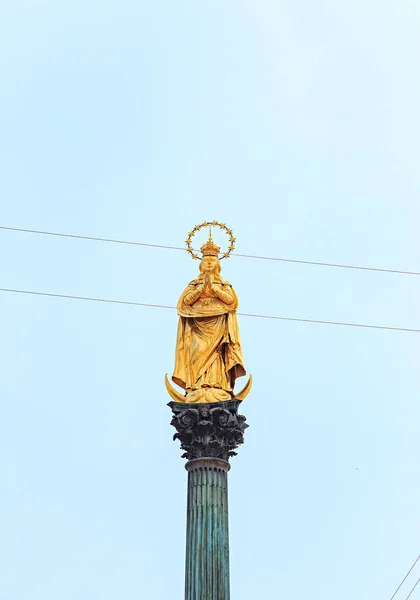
x: 210, y: 248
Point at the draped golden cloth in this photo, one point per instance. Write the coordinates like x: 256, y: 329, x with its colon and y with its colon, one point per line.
x: 208, y: 350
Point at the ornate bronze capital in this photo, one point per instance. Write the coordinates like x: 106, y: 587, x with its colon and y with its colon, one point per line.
x: 211, y: 430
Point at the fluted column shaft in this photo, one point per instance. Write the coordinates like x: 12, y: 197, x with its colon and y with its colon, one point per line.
x: 207, y: 555
x: 209, y: 435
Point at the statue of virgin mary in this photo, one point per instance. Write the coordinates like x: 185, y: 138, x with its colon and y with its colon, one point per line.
x: 208, y: 349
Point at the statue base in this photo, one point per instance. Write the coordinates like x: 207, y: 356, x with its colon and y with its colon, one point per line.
x: 207, y: 395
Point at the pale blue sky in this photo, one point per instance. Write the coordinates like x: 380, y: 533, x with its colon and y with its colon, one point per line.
x: 297, y: 123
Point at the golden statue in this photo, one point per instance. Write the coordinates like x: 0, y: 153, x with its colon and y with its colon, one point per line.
x: 208, y: 350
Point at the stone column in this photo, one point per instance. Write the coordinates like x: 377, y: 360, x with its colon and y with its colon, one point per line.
x: 209, y: 434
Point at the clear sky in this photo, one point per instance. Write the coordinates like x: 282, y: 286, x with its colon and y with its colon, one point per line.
x: 296, y: 123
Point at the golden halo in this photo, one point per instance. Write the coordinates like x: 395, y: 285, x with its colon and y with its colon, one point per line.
x: 221, y: 226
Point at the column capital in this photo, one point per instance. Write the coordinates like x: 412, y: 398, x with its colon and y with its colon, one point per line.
x: 211, y: 430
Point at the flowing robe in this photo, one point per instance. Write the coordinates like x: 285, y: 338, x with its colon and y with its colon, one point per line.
x: 208, y: 349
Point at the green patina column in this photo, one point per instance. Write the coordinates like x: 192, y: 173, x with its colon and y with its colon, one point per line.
x: 209, y: 434
x: 207, y: 552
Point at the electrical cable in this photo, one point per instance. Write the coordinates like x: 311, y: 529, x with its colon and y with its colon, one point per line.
x: 415, y: 585
x: 87, y: 237
x: 132, y: 303
x: 235, y: 254
x: 412, y: 567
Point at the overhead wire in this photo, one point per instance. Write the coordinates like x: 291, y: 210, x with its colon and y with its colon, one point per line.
x: 402, y: 582
x: 325, y: 264
x: 165, y: 306
x: 91, y: 238
x: 235, y: 254
x: 415, y: 585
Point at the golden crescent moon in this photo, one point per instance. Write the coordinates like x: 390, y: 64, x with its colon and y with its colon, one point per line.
x: 172, y: 391
x: 244, y: 393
